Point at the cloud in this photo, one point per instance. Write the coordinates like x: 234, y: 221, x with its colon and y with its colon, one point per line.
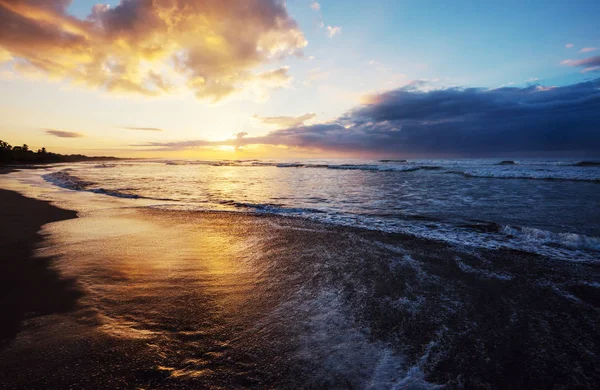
x: 315, y: 6
x: 569, y: 45
x: 148, y: 47
x: 239, y: 137
x: 64, y: 134
x: 591, y: 64
x: 417, y: 121
x: 315, y: 74
x: 286, y: 121
x: 588, y: 49
x: 276, y: 77
x: 143, y: 128
x: 332, y: 31
x: 176, y: 145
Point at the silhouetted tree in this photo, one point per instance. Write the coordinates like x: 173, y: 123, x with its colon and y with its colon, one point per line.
x: 22, y: 154
x: 5, y: 145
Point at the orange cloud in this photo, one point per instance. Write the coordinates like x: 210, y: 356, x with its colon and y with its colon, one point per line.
x: 285, y: 121
x: 151, y: 47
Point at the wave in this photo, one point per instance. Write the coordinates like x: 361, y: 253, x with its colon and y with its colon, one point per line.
x: 68, y: 181
x: 473, y: 233
x: 105, y: 166
x: 272, y: 208
x: 290, y: 165
x: 352, y: 167
x: 507, y: 169
x: 115, y: 193
x: 535, y: 236
x: 355, y: 167
x: 64, y: 179
x: 544, y: 237
x: 587, y: 164
x: 530, y: 174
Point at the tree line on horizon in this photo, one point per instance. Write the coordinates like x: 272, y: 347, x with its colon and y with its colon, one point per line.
x: 22, y: 154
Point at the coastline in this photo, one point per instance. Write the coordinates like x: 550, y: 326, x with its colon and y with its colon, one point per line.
x: 201, y: 299
x: 29, y: 286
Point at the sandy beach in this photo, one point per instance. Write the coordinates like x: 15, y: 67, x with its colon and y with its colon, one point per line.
x: 29, y: 287
x: 131, y: 297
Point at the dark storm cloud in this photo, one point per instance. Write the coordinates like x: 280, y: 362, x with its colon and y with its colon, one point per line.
x: 454, y: 121
x: 63, y: 134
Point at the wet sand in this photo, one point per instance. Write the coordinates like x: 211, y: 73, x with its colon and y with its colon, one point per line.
x: 28, y: 286
x: 228, y: 300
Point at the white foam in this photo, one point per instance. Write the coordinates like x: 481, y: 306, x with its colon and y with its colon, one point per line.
x: 544, y: 237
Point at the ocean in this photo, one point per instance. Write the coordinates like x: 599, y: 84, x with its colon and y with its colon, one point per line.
x: 548, y: 207
x: 419, y: 274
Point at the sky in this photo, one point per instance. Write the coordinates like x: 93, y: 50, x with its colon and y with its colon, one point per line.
x: 274, y: 79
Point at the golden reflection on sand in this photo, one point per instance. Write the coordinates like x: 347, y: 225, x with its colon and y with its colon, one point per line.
x: 143, y: 268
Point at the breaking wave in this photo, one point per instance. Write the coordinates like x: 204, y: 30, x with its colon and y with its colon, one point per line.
x: 544, y: 237
x: 68, y: 181
x: 271, y: 208
x: 530, y: 174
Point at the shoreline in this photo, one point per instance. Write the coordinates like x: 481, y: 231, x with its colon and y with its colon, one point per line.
x: 175, y: 299
x: 30, y: 287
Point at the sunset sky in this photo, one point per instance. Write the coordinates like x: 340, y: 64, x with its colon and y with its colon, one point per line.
x: 267, y: 78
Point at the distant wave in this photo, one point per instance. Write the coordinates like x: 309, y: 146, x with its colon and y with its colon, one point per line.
x: 529, y: 174
x: 507, y: 169
x: 105, y: 166
x: 587, y: 164
x: 353, y: 167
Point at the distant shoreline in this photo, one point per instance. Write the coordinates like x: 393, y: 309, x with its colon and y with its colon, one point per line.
x: 10, y: 154
x: 32, y: 164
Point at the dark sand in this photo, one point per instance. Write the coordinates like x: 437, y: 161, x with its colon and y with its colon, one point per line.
x: 29, y: 287
x: 222, y: 300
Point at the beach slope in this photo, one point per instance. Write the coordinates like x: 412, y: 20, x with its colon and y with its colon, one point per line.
x: 29, y: 286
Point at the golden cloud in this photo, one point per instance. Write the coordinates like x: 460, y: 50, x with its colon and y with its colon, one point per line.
x: 152, y: 47
x: 285, y: 121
